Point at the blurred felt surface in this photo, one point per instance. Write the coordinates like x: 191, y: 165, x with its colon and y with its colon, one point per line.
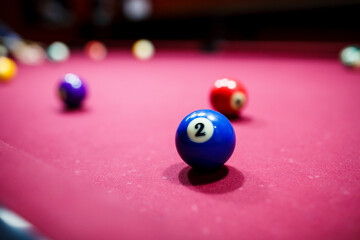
x: 111, y: 170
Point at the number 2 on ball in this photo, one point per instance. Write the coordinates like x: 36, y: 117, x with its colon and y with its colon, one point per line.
x: 200, y: 127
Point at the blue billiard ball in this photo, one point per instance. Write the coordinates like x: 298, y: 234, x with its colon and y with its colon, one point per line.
x: 205, y: 139
x: 72, y: 90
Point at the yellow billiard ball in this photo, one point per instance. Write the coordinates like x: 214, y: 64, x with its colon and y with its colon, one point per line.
x: 8, y: 69
x: 143, y: 49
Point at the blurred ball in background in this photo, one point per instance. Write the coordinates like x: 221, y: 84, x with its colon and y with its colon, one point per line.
x: 350, y: 56
x: 143, y: 49
x: 58, y: 52
x: 137, y: 10
x: 8, y: 69
x: 29, y: 53
x: 3, y: 51
x: 95, y: 50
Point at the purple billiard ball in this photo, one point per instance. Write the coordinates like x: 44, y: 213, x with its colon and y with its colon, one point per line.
x: 72, y: 90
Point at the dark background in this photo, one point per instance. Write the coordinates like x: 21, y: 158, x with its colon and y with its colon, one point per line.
x: 74, y: 21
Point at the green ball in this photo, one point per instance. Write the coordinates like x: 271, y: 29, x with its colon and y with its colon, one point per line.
x: 350, y: 56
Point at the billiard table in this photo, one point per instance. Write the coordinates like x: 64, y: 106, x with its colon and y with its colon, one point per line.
x: 110, y: 170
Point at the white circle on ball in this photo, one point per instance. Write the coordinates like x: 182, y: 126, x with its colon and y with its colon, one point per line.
x: 237, y: 101
x: 200, y: 130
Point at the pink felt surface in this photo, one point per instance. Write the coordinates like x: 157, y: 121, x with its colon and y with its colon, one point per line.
x: 112, y: 169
